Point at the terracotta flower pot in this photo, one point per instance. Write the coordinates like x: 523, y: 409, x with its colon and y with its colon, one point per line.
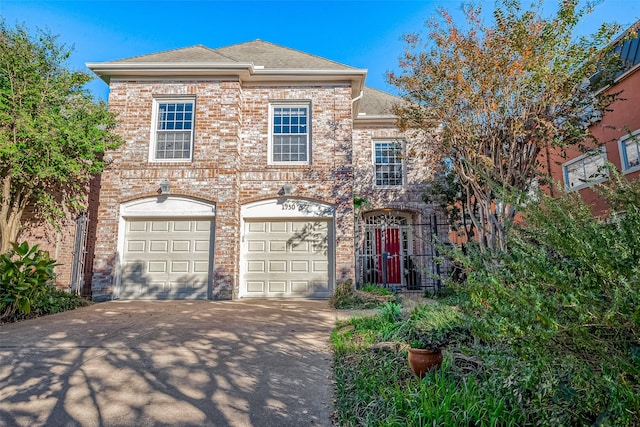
x: 421, y: 360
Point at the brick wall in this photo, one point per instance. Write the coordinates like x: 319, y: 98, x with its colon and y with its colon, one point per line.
x: 621, y: 118
x: 229, y: 164
x: 58, y: 241
x: 418, y: 171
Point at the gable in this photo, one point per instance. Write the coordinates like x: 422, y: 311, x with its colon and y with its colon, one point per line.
x: 273, y: 56
x: 259, y: 53
x: 257, y: 61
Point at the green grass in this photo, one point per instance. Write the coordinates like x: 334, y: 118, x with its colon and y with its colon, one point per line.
x: 370, y: 296
x: 377, y: 387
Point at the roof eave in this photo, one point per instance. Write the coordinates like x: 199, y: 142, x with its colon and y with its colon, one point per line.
x: 107, y: 70
x: 246, y: 71
x: 375, y: 120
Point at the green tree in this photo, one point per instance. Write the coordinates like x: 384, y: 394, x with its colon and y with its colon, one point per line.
x: 53, y: 134
x: 490, y: 98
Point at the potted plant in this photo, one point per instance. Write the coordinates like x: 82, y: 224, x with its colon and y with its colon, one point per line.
x: 431, y: 328
x: 426, y: 353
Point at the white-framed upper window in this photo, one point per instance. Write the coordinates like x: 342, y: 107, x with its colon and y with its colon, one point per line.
x: 172, y: 133
x: 388, y: 165
x: 630, y: 152
x: 586, y: 170
x: 290, y: 133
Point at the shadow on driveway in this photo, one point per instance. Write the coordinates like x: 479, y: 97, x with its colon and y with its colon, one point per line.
x: 185, y: 363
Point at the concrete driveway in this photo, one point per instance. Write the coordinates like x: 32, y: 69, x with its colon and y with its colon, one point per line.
x: 179, y: 363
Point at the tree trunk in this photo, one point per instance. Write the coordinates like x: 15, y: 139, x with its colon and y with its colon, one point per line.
x: 11, y: 210
x: 9, y: 230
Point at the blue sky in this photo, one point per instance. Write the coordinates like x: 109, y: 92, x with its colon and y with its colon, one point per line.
x: 360, y: 33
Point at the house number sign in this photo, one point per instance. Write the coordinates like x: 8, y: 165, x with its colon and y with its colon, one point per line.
x: 290, y: 205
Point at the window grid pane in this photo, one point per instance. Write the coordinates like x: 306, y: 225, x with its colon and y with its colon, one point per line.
x: 631, y: 154
x: 290, y: 134
x: 388, y: 164
x: 174, y: 130
x: 173, y: 145
x: 585, y: 170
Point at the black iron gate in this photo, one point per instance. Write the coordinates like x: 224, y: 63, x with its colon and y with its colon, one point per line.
x: 79, y: 253
x: 397, y: 253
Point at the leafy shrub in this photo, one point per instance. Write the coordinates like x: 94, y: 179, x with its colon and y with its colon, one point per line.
x: 554, y: 324
x: 24, y: 273
x: 56, y: 301
x: 50, y: 302
x: 563, y: 307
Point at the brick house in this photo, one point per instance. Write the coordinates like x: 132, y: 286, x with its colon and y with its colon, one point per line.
x: 617, y: 133
x: 238, y: 178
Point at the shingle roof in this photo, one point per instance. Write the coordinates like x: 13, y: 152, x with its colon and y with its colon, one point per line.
x: 265, y: 56
x: 273, y: 56
x: 258, y: 52
x: 198, y: 53
x: 376, y: 102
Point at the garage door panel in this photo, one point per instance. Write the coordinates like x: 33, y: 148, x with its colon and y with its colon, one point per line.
x: 299, y: 286
x: 204, y: 226
x: 181, y: 287
x: 255, y: 286
x: 166, y: 259
x: 277, y: 286
x: 278, y: 246
x: 277, y: 266
x: 200, y: 266
x: 277, y: 227
x: 136, y: 246
x: 299, y: 246
x: 320, y: 287
x: 157, y: 266
x: 182, y: 226
x: 134, y: 268
x: 133, y: 226
x: 159, y: 226
x: 158, y: 246
x: 257, y: 227
x: 256, y: 266
x: 133, y: 284
x: 256, y: 246
x: 311, y: 228
x: 320, y: 267
x: 180, y: 246
x: 201, y: 246
x: 180, y: 267
x: 285, y: 258
x: 299, y: 266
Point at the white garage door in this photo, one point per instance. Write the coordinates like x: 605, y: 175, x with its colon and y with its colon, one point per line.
x: 166, y: 259
x: 286, y: 258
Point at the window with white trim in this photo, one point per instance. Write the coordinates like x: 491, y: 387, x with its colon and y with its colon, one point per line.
x: 290, y: 137
x: 388, y: 165
x: 630, y: 152
x: 585, y: 170
x: 173, y: 129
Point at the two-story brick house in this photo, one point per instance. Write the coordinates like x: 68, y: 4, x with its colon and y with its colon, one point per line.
x: 238, y: 175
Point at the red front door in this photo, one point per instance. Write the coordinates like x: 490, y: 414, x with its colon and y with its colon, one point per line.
x: 388, y: 248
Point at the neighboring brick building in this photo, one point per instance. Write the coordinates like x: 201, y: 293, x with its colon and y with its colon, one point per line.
x: 263, y: 150
x: 59, y: 241
x: 618, y: 133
